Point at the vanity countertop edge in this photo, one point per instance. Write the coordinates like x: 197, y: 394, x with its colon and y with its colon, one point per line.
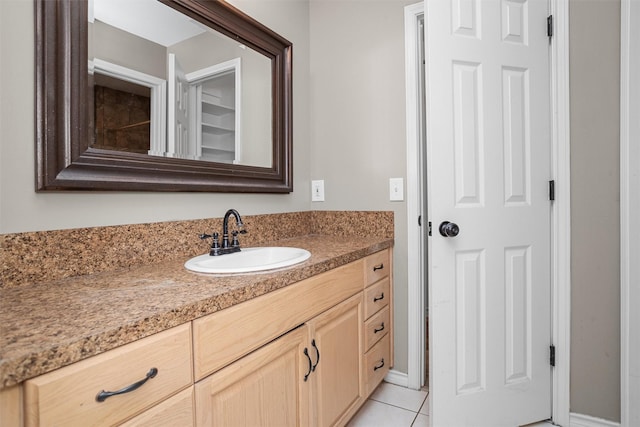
x: 46, y: 326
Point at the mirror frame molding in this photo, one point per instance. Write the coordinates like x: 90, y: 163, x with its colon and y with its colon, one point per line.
x: 64, y: 160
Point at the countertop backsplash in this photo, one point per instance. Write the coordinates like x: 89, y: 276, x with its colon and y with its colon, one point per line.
x: 46, y: 256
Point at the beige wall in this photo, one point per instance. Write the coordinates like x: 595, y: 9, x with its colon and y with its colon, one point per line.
x: 21, y: 209
x: 358, y: 119
x: 105, y: 43
x: 595, y: 206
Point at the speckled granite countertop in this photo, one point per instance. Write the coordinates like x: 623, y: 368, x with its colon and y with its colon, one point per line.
x: 43, y: 328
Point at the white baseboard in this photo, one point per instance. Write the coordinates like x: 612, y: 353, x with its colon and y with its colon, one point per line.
x: 397, y: 378
x: 580, y: 420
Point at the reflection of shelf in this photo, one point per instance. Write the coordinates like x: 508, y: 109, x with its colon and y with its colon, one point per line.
x: 214, y: 107
x: 216, y: 122
x: 217, y: 155
x: 222, y: 140
x: 216, y: 110
x: 216, y: 129
x: 212, y: 150
x: 221, y: 147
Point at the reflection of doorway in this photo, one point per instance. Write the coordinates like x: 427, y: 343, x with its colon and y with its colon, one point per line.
x: 122, y: 115
x: 131, y: 82
x: 204, y: 112
x: 217, y: 102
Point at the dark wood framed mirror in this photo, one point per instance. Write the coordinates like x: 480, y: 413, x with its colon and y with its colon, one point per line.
x: 65, y: 157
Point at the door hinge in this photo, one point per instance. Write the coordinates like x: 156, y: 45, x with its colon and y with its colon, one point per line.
x: 552, y: 355
x: 550, y: 26
x: 552, y: 190
x: 429, y: 225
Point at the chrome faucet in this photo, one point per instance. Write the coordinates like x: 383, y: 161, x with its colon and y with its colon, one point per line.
x: 226, y: 248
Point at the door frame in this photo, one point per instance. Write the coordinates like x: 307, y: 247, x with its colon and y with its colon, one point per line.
x: 416, y: 271
x: 561, y: 218
x: 629, y: 212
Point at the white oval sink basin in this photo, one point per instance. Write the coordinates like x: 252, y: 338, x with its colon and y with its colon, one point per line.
x: 248, y: 260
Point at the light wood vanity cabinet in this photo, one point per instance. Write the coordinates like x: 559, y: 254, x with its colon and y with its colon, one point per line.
x: 225, y: 336
x: 310, y: 376
x: 307, y: 354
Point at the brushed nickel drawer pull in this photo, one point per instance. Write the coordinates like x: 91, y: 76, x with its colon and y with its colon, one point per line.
x: 379, y: 366
x: 102, y: 396
x: 378, y: 267
x: 381, y: 297
x: 380, y: 329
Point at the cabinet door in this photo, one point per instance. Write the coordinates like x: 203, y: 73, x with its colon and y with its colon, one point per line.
x: 264, y: 388
x: 336, y: 348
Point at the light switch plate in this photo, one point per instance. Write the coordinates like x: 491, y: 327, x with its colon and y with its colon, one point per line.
x: 317, y: 191
x: 396, y: 189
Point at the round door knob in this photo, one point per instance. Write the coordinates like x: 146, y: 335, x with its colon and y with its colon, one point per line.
x: 449, y: 229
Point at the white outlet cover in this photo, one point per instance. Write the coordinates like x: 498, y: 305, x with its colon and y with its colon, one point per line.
x: 396, y: 189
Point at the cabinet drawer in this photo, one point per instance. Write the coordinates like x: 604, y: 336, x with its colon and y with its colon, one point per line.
x: 377, y: 266
x: 68, y: 396
x: 376, y: 327
x: 175, y: 411
x: 377, y: 361
x: 376, y: 296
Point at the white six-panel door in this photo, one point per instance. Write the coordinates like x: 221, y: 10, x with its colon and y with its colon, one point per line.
x: 488, y: 126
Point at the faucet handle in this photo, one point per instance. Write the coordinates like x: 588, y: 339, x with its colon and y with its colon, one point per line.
x: 234, y: 241
x: 215, y: 235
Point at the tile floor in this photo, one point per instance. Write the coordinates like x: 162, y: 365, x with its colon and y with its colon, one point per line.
x: 393, y: 406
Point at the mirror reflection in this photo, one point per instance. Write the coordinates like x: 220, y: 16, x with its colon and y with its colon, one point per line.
x: 165, y: 85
